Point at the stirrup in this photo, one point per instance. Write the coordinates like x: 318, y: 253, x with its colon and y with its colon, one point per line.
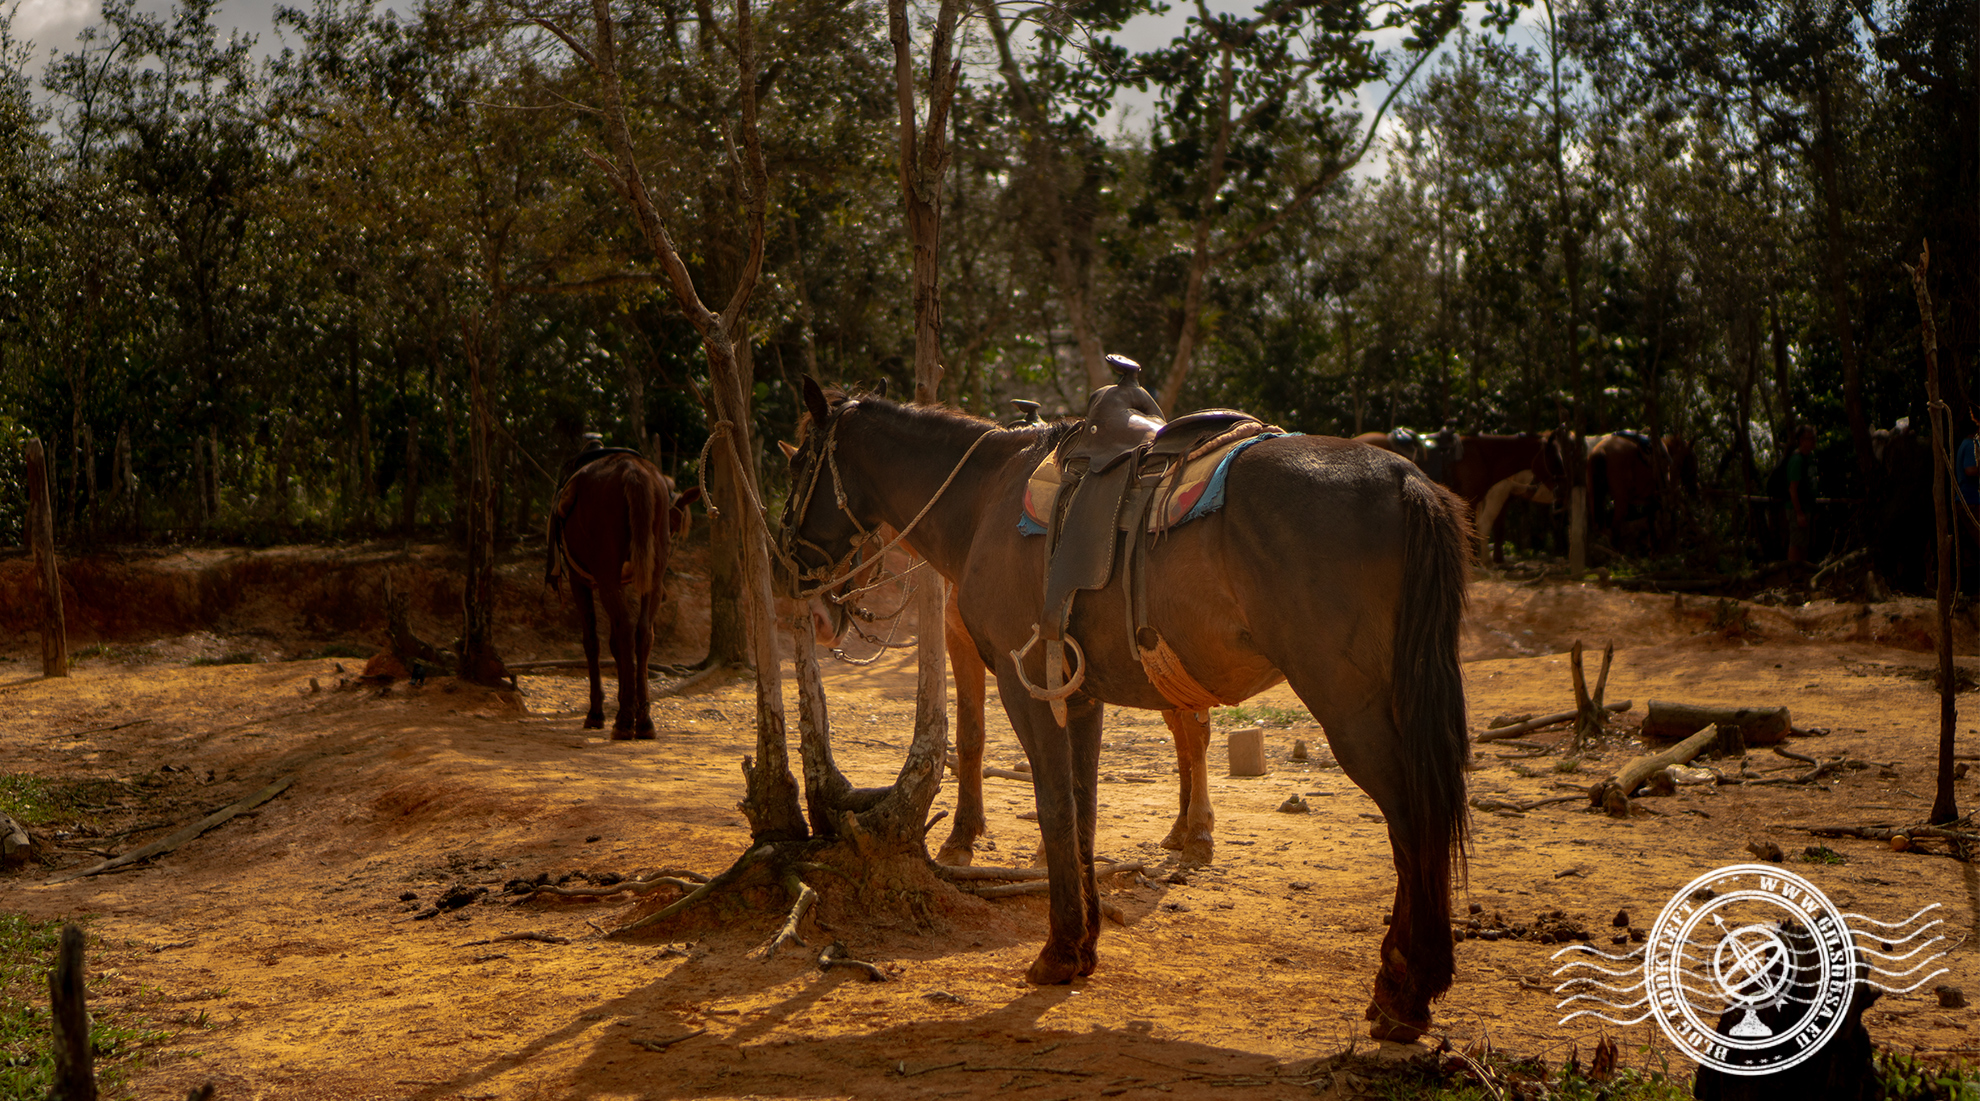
x: 1053, y: 692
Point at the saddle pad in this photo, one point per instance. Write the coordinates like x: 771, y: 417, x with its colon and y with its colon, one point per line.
x: 1195, y: 489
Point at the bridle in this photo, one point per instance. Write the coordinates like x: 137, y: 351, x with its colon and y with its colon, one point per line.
x: 838, y: 569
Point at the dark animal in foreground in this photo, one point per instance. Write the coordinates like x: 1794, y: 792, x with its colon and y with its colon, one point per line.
x: 1842, y: 1070
x: 611, y: 524
x: 1337, y: 567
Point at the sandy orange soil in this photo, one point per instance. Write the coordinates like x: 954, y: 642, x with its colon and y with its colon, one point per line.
x: 287, y: 952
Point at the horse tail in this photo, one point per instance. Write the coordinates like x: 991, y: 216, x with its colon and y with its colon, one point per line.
x: 644, y: 550
x: 553, y: 542
x: 1429, y: 695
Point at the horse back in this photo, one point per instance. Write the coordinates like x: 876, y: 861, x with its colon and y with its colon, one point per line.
x: 611, y: 518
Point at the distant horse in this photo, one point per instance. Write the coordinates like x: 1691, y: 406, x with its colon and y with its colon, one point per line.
x: 1333, y: 566
x: 1628, y: 472
x: 610, y: 526
x: 1488, y: 470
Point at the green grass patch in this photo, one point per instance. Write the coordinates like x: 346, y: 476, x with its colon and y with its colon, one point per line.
x: 1822, y: 854
x: 37, y: 800
x: 1260, y: 715
x: 1909, y: 1078
x: 236, y: 657
x: 1494, y: 1076
x: 27, y: 1065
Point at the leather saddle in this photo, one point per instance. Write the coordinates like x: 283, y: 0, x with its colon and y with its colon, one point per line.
x: 1112, y: 467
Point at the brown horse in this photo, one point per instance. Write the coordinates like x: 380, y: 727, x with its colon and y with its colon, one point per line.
x: 1195, y: 822
x: 610, y: 526
x: 1333, y: 566
x: 1487, y: 470
x: 1628, y: 473
x: 1191, y: 834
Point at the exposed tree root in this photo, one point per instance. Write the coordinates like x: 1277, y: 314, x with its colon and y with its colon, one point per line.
x: 686, y: 881
x: 804, y: 896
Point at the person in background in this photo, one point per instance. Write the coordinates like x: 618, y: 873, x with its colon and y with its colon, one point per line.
x: 1801, y: 493
x: 1966, y: 473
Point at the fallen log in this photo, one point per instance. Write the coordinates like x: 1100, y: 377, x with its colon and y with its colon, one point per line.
x: 1038, y: 886
x: 1006, y: 774
x: 167, y: 844
x: 1667, y: 721
x: 1613, y: 794
x: 1885, y: 833
x: 1499, y: 733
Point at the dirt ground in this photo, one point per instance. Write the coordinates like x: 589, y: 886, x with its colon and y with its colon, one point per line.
x: 288, y: 950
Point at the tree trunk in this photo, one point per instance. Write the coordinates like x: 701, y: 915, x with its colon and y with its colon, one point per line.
x: 1785, y: 440
x: 636, y: 405
x: 1945, y: 806
x: 41, y: 532
x: 89, y: 480
x: 1825, y: 164
x: 68, y: 1012
x: 479, y: 662
x: 409, y: 489
x: 1047, y: 172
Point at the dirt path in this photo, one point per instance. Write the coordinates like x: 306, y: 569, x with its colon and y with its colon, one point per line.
x: 281, y: 946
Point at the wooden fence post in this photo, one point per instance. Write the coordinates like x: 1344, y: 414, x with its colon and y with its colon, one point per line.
x: 41, y: 531
x: 75, y: 1069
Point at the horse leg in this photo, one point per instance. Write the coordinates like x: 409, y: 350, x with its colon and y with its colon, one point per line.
x: 649, y: 606
x: 967, y: 666
x: 1417, y: 962
x: 1191, y: 835
x: 614, y: 598
x: 594, y: 719
x: 1056, y: 784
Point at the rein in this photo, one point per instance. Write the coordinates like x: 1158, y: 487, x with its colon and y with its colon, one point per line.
x: 835, y: 570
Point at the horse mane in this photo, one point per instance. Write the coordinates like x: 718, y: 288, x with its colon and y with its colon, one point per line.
x: 1045, y: 436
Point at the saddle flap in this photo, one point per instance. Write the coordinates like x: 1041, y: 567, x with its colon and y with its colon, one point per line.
x: 1084, y: 540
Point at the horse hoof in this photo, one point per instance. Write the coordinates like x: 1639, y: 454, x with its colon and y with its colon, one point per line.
x: 1384, y: 1026
x: 1173, y: 842
x: 644, y: 735
x: 622, y: 735
x: 1052, y: 969
x: 594, y: 722
x: 1198, y: 851
x: 956, y: 854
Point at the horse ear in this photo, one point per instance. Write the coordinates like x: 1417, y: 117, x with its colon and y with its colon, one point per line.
x: 880, y: 387
x: 789, y: 449
x: 814, y: 401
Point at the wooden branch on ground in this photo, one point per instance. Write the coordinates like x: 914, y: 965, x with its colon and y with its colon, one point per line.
x: 654, y: 672
x: 1613, y: 794
x: 1516, y: 730
x: 834, y: 955
x: 686, y: 881
x: 662, y: 1045
x: 167, y: 844
x: 967, y: 872
x: 804, y: 897
x: 1669, y: 721
x: 546, y: 938
x: 1006, y: 774
x: 1040, y: 886
x: 1480, y: 802
x: 710, y: 675
x: 1885, y: 833
x: 68, y: 1011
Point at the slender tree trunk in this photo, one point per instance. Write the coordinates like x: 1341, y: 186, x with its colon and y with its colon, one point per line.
x: 1047, y: 173
x: 479, y: 662
x: 41, y: 532
x: 1945, y: 806
x: 1786, y: 396
x: 89, y: 480
x: 409, y: 490
x: 1825, y: 164
x: 199, y: 482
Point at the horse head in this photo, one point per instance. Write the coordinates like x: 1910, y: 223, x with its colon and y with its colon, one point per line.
x: 817, y: 538
x: 1550, y: 465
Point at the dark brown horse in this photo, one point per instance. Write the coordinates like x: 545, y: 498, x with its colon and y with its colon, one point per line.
x: 1195, y: 821
x: 610, y: 526
x: 1334, y: 566
x: 1488, y: 470
x: 1628, y: 473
